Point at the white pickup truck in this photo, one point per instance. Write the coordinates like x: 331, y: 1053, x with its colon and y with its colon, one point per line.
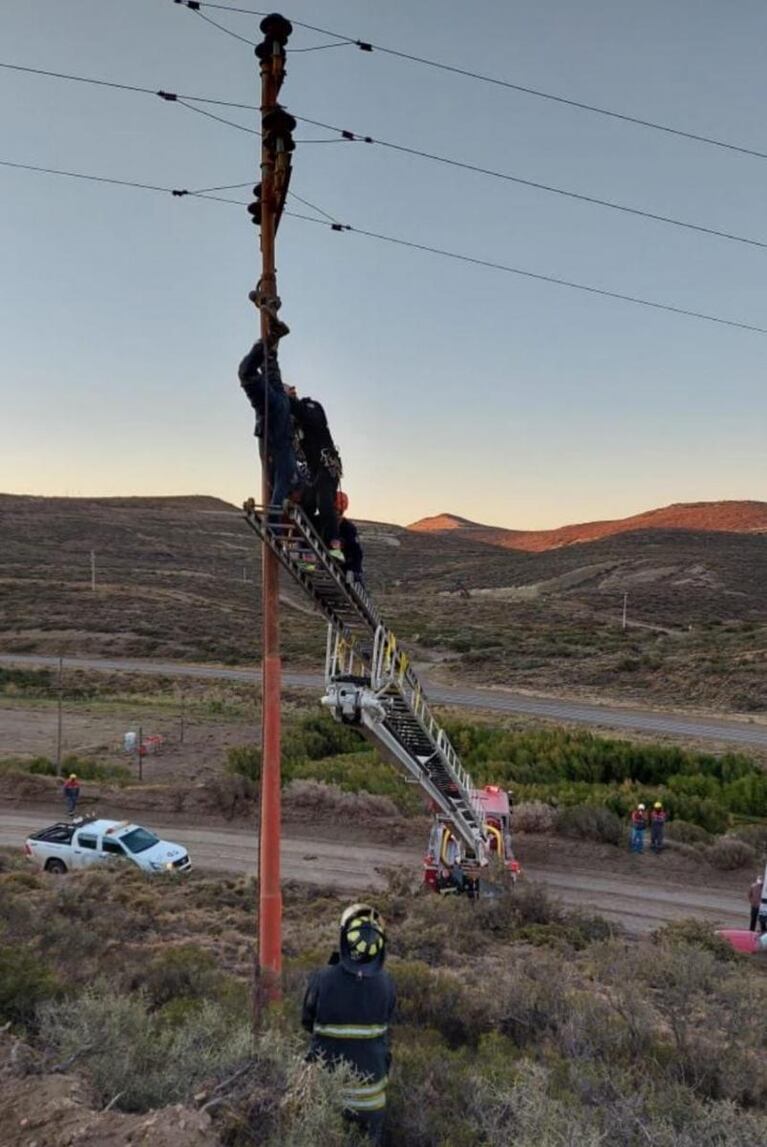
x: 88, y: 840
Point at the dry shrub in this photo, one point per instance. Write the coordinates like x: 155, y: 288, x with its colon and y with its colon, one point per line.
x: 695, y: 932
x: 460, y: 1012
x: 590, y: 822
x: 231, y: 795
x: 729, y: 853
x: 754, y: 835
x: 533, y: 816
x: 131, y: 1052
x: 311, y: 799
x: 686, y: 833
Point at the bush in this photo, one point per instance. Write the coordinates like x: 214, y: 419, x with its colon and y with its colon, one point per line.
x: 25, y: 982
x: 686, y: 833
x: 533, y: 816
x: 729, y: 853
x: 135, y: 1055
x: 754, y: 835
x: 694, y: 932
x: 591, y: 823
x: 245, y: 761
x: 187, y: 972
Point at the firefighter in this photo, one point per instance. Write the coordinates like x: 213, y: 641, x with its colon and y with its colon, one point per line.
x: 638, y: 825
x: 350, y: 540
x: 657, y: 824
x: 260, y: 378
x: 348, y: 1007
x: 324, y: 464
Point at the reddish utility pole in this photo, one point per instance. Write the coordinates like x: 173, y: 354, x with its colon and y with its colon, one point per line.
x: 276, y: 146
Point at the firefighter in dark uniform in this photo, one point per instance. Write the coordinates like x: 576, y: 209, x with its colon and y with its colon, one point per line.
x: 348, y: 1008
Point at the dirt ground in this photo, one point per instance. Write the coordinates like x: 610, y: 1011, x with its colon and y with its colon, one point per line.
x: 29, y: 731
x: 641, y: 892
x: 41, y: 1109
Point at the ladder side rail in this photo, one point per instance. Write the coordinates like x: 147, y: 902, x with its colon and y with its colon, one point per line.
x: 275, y: 537
x: 356, y: 595
x: 383, y: 736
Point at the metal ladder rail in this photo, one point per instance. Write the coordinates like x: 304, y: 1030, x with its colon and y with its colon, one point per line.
x: 346, y: 607
x: 354, y: 620
x: 408, y: 720
x: 392, y: 667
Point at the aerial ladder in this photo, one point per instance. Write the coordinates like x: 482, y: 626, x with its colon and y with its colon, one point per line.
x: 370, y: 683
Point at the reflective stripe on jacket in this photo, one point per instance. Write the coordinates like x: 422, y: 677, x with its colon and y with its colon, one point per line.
x: 348, y: 1016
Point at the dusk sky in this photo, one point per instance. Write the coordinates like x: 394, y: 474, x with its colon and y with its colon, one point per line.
x: 124, y: 313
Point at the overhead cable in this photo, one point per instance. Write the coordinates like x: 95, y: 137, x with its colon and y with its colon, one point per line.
x: 368, y: 46
x: 506, y: 177
x: 176, y: 192
x: 406, y: 243
x: 345, y: 135
x: 492, y: 265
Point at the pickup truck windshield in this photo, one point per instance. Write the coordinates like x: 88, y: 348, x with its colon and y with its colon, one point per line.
x: 139, y: 840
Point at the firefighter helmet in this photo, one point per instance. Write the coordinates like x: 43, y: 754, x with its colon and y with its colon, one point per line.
x: 362, y: 940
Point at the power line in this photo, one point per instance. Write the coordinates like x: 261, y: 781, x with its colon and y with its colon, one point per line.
x: 412, y: 245
x: 167, y: 96
x: 176, y: 192
x: 534, y: 275
x: 348, y: 136
x: 314, y: 207
x: 345, y: 135
x: 496, y: 81
x: 236, y: 36
x: 218, y: 118
x: 612, y: 205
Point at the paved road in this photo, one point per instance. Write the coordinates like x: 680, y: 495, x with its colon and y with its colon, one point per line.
x: 720, y: 730
x: 639, y: 904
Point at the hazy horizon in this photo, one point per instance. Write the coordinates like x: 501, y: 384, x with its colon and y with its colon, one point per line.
x: 124, y: 314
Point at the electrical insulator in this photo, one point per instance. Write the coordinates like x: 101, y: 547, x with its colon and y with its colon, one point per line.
x: 254, y: 208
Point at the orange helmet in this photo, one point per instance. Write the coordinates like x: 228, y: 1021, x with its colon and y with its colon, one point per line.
x: 342, y: 502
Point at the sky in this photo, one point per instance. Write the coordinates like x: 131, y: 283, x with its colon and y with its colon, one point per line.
x: 449, y: 387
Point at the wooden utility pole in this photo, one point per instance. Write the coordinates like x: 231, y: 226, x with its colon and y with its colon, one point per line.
x: 60, y: 715
x: 276, y: 145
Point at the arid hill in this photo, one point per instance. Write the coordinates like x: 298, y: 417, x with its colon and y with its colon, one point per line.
x: 180, y: 578
x: 717, y: 517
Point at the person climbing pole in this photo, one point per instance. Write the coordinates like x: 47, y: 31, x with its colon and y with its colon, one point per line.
x: 260, y: 378
x: 350, y: 541
x: 348, y: 1007
x: 316, y: 444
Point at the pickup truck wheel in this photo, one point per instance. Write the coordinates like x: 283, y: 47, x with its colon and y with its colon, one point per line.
x: 58, y: 867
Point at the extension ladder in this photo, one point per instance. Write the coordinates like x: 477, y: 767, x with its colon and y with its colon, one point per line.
x: 369, y: 680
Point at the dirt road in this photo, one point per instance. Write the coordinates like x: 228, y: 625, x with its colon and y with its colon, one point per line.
x: 640, y: 904
x: 744, y: 732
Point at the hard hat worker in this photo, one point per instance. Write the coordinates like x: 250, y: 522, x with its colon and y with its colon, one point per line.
x: 323, y: 462
x: 657, y: 826
x: 350, y: 541
x: 71, y: 792
x: 638, y: 825
x: 348, y: 1007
